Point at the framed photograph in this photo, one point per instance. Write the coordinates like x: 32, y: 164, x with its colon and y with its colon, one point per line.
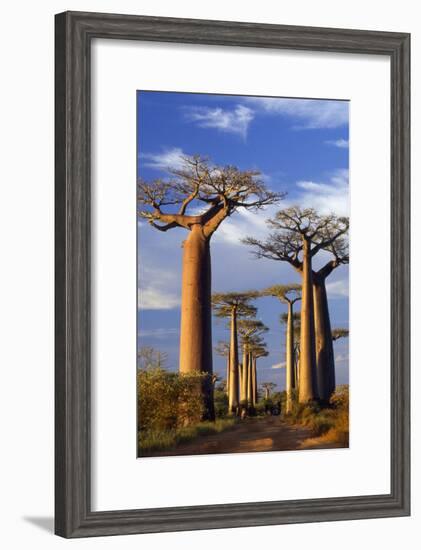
x: 232, y: 274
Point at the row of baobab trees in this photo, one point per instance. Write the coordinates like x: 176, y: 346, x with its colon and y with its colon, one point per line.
x: 246, y: 333
x: 197, y: 198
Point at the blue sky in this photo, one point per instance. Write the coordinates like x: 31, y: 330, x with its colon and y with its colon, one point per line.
x: 300, y: 146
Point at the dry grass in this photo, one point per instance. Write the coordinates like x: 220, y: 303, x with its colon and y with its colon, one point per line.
x: 329, y: 425
x: 153, y: 441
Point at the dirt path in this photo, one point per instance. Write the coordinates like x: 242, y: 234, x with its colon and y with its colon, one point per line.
x: 253, y: 434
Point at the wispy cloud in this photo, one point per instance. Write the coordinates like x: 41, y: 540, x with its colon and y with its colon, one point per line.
x: 169, y: 158
x: 278, y: 366
x: 155, y: 297
x: 245, y: 222
x: 338, y: 289
x: 156, y: 289
x: 304, y: 113
x: 340, y: 143
x: 326, y: 197
x: 158, y: 333
x: 235, y: 121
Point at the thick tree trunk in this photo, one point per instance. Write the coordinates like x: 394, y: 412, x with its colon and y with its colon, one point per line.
x: 308, y: 381
x: 325, y: 362
x: 249, y: 380
x: 196, y: 315
x: 290, y: 367
x: 244, y: 377
x: 228, y: 375
x: 234, y: 375
x: 240, y: 381
x: 254, y: 373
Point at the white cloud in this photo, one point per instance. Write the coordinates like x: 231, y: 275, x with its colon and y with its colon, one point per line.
x: 158, y: 333
x: 338, y: 289
x: 154, y: 297
x: 341, y: 143
x: 308, y: 113
x: 326, y: 197
x: 243, y: 223
x: 157, y: 288
x: 278, y: 366
x: 235, y: 121
x: 169, y: 158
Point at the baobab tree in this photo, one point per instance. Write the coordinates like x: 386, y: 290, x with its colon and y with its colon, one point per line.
x: 251, y: 331
x: 149, y: 358
x: 234, y: 305
x: 257, y: 349
x: 220, y: 191
x: 325, y: 359
x: 297, y: 236
x: 297, y: 330
x: 268, y: 387
x: 223, y: 349
x: 288, y: 294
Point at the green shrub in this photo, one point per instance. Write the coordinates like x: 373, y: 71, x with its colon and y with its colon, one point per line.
x: 167, y: 400
x: 220, y: 403
x: 329, y: 423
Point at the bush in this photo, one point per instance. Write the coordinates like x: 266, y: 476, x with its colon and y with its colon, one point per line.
x: 167, y: 400
x: 220, y: 403
x: 329, y: 423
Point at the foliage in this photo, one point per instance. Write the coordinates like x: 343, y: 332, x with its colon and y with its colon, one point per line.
x: 167, y: 204
x: 221, y: 403
x: 329, y: 424
x: 153, y: 441
x: 168, y: 400
x: 149, y: 357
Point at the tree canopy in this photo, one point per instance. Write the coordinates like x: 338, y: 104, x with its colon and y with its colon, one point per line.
x: 291, y: 226
x: 201, y: 193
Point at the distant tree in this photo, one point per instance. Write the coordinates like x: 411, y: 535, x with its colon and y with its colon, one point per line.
x: 234, y: 305
x: 165, y: 204
x: 288, y: 294
x: 257, y: 349
x: 149, y: 357
x: 223, y: 349
x: 251, y: 331
x: 267, y: 388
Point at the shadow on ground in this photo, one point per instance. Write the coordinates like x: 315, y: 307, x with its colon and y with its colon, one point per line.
x: 44, y: 523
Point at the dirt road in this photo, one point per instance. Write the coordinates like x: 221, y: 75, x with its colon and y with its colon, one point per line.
x: 253, y: 434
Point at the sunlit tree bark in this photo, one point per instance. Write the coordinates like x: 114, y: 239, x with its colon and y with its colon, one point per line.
x: 234, y: 305
x: 297, y: 236
x: 165, y: 204
x: 250, y: 331
x: 288, y: 294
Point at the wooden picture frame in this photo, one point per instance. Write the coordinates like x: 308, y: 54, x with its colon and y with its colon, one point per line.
x: 74, y: 32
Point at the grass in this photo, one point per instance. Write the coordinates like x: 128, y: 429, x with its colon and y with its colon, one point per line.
x: 329, y: 425
x: 151, y: 442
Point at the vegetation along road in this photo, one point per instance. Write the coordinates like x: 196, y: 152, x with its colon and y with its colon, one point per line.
x: 252, y: 434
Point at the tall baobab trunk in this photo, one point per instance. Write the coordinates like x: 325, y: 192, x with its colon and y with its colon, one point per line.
x: 244, y: 378
x: 325, y: 362
x: 290, y: 366
x: 234, y: 376
x: 249, y: 380
x: 254, y: 382
x: 196, y: 315
x: 228, y: 375
x: 240, y: 381
x: 308, y: 381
